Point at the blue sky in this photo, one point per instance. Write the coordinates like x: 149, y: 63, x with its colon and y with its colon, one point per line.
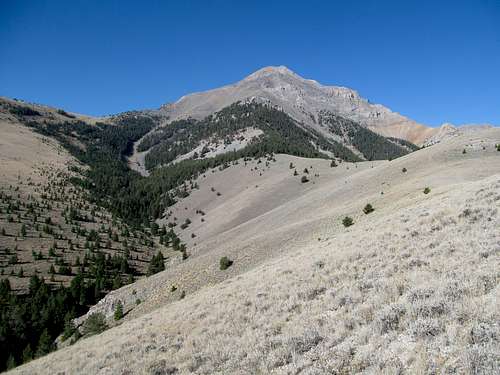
x: 433, y: 61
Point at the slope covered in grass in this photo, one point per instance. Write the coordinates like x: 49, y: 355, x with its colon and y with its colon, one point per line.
x: 411, y: 287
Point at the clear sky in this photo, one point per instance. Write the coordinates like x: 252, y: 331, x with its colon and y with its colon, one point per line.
x: 433, y: 61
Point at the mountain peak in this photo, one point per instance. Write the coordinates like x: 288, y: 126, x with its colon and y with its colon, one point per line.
x: 271, y: 71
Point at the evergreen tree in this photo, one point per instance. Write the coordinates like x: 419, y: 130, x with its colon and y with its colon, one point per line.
x: 45, y: 345
x: 27, y: 354
x: 157, y: 264
x: 118, y: 311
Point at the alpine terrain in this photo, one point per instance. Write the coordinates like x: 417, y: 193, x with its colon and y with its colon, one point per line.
x: 271, y: 226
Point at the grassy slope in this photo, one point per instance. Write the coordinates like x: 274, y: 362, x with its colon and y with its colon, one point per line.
x: 412, y: 286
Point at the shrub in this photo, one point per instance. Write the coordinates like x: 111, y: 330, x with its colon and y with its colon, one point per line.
x: 464, y: 151
x: 368, y: 209
x: 347, y: 221
x: 64, y: 113
x: 225, y: 263
x: 13, y: 259
x: 427, y: 190
x: 333, y: 164
x: 95, y: 324
x: 304, y: 179
x: 498, y: 147
x: 118, y: 311
x: 404, y: 170
x: 24, y: 111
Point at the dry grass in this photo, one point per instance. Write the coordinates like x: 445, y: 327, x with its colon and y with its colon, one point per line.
x: 411, y: 288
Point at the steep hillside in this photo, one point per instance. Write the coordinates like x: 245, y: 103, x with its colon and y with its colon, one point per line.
x: 44, y: 217
x: 302, y: 99
x: 410, y: 287
x: 61, y: 247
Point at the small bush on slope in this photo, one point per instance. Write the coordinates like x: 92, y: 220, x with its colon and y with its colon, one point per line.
x: 347, y: 221
x: 95, y: 324
x: 225, y: 263
x: 368, y: 209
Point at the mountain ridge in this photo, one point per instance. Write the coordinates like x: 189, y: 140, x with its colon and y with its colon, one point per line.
x: 302, y: 99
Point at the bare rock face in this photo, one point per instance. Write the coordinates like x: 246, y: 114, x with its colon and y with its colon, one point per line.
x: 302, y: 99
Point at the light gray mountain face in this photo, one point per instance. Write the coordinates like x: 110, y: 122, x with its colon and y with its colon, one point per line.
x: 303, y: 100
x: 448, y: 131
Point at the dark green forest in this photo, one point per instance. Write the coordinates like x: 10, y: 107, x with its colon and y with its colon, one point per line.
x: 372, y: 145
x: 282, y: 134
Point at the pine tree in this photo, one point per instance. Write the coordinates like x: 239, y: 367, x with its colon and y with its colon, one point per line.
x: 44, y: 344
x: 118, y: 311
x: 157, y: 264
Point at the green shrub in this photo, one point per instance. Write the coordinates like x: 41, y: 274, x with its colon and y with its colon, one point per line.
x: 225, y: 263
x: 404, y: 170
x: 427, y: 190
x: 64, y: 113
x: 95, y: 324
x: 304, y: 179
x: 347, y: 221
x: 368, y: 209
